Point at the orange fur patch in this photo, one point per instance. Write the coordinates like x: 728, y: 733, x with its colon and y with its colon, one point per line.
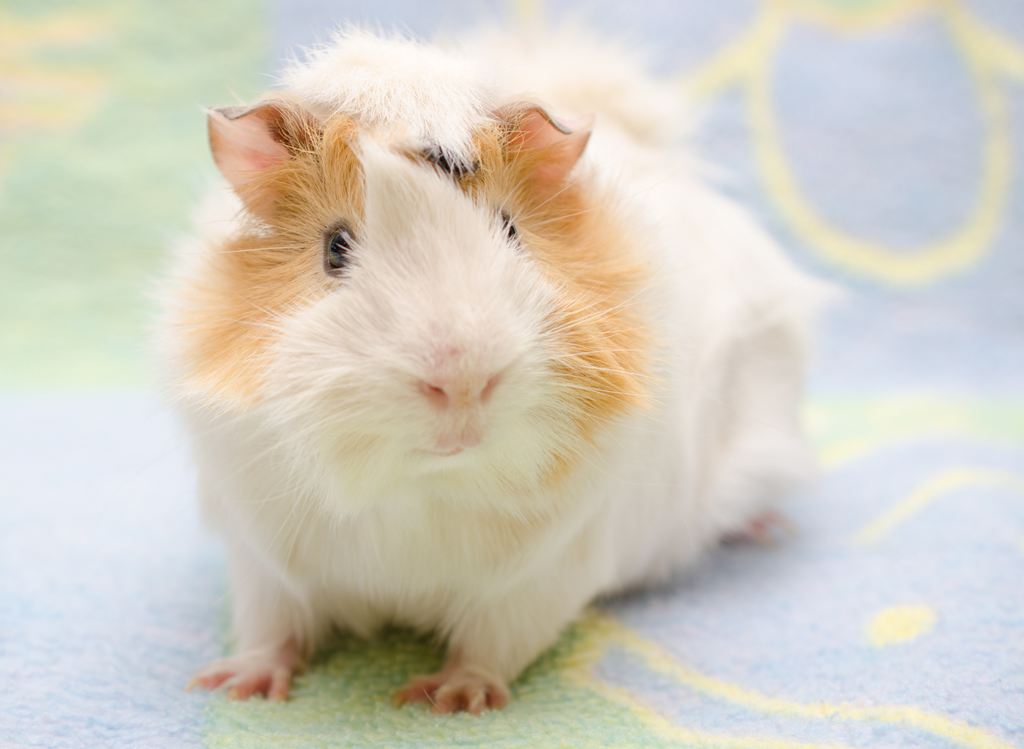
x: 229, y: 313
x: 598, y: 327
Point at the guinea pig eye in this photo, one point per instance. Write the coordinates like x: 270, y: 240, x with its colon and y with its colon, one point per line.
x: 510, y: 228
x: 336, y: 250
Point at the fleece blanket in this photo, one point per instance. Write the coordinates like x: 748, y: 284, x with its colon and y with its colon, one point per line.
x: 879, y: 140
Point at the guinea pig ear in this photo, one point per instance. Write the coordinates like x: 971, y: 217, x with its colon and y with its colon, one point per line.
x: 556, y: 144
x: 246, y: 141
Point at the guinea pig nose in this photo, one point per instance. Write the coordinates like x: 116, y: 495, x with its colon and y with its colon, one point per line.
x: 443, y: 392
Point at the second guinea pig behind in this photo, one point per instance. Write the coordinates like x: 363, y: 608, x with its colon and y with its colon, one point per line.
x: 470, y: 345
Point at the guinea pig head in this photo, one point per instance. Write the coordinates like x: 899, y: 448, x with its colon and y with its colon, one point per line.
x: 416, y: 314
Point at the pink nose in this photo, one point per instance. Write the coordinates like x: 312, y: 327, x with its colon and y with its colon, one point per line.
x: 444, y: 392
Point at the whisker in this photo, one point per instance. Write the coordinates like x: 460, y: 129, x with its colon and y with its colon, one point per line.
x: 590, y: 368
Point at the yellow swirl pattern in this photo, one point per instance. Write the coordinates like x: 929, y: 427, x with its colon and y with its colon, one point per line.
x: 945, y: 482
x: 605, y: 632
x: 987, y: 54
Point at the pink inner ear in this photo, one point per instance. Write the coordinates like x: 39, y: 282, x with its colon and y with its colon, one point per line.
x: 564, y: 141
x: 244, y: 146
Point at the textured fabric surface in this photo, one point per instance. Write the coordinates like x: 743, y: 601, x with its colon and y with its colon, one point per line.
x: 879, y: 140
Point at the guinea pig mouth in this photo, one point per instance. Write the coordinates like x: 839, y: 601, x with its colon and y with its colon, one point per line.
x: 453, y: 442
x: 444, y: 452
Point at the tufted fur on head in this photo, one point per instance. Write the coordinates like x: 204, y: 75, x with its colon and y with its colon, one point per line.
x: 397, y: 83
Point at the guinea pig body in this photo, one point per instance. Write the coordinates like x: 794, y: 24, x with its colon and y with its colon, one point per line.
x: 452, y: 362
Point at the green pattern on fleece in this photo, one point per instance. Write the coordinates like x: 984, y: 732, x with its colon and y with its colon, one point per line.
x: 345, y: 700
x: 89, y: 207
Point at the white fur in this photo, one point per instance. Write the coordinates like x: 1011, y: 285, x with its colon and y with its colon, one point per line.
x: 334, y: 511
x: 437, y: 97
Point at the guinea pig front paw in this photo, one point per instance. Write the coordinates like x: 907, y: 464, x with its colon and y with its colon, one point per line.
x: 265, y: 671
x: 456, y: 687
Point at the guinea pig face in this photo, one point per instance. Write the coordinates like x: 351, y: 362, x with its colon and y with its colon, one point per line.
x: 430, y: 351
x: 414, y: 315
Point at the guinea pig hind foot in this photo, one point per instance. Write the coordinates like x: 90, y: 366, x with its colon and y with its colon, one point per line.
x: 766, y: 529
x: 266, y: 671
x: 455, y: 688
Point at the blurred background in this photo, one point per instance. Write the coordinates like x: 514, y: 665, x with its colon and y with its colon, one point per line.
x: 880, y: 141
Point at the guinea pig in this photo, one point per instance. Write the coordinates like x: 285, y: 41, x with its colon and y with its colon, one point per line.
x: 467, y: 343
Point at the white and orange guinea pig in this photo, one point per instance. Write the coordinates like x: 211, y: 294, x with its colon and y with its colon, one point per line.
x: 467, y: 344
